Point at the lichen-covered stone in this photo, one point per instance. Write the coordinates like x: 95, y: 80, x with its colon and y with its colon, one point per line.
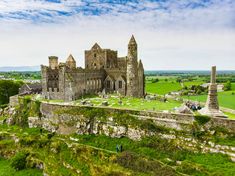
x: 34, y: 122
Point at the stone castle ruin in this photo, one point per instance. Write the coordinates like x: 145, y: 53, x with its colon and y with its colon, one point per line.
x: 104, y: 70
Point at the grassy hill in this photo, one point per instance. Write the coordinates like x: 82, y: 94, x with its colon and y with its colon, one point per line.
x: 96, y: 155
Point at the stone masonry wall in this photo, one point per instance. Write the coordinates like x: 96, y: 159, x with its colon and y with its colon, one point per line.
x: 67, y: 123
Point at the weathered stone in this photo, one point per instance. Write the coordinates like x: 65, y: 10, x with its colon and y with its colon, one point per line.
x: 10, y: 121
x: 135, y: 134
x: 1, y: 111
x: 212, y: 105
x: 83, y: 102
x: 184, y: 110
x: 118, y: 131
x: 105, y: 103
x: 150, y: 97
x: 34, y: 122
x: 14, y: 101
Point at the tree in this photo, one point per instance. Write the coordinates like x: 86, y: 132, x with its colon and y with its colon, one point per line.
x: 227, y: 86
x: 18, y: 162
x: 8, y: 88
x: 178, y: 80
x: 155, y: 80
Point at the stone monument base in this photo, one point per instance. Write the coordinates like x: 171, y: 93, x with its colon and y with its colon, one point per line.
x: 212, y: 113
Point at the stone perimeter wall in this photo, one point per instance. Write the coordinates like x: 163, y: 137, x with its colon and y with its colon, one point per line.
x: 69, y: 123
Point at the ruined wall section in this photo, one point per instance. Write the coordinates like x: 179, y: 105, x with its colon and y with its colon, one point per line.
x: 118, y: 82
x: 51, y: 88
x: 98, y: 58
x: 122, y: 63
x: 94, y: 80
x: 111, y: 59
x: 141, y: 79
x: 74, y: 83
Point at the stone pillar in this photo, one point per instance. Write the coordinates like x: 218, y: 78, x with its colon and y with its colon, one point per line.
x: 212, y: 105
x: 213, y: 75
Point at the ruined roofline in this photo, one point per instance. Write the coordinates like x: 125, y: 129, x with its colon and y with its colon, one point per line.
x: 105, y: 49
x: 122, y: 57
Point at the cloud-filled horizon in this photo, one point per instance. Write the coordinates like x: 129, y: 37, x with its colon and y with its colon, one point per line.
x: 171, y: 35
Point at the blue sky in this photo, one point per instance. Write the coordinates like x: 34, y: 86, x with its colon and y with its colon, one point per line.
x: 172, y: 34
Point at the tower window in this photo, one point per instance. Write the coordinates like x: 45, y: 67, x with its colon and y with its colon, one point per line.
x: 108, y: 84
x: 95, y: 55
x: 120, y: 84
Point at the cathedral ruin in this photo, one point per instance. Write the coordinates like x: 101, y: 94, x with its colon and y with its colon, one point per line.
x: 104, y: 70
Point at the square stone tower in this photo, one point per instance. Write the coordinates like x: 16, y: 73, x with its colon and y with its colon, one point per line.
x: 212, y: 104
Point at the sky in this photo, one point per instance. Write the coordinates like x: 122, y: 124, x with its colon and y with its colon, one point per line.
x: 171, y: 34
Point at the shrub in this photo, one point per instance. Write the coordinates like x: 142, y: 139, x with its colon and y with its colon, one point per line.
x: 227, y: 86
x: 202, y: 120
x: 151, y: 126
x: 19, y: 160
x: 189, y: 168
x: 155, y: 80
x: 137, y: 163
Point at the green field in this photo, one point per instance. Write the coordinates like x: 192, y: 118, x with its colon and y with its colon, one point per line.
x: 230, y: 115
x: 233, y: 86
x: 226, y: 99
x: 191, y: 83
x: 162, y: 87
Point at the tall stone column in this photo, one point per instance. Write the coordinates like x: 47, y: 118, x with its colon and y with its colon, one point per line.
x: 213, y: 75
x: 212, y: 105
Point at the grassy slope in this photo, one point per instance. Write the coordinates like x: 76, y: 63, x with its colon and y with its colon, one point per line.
x: 152, y: 148
x: 61, y: 156
x: 7, y: 170
x: 92, y: 155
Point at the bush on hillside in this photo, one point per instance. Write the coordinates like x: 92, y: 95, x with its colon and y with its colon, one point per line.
x: 202, y: 120
x: 19, y: 160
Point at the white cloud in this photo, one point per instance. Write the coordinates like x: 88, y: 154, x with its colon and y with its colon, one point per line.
x: 171, y: 35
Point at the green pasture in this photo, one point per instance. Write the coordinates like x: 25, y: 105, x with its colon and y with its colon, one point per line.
x: 233, y: 86
x: 230, y: 115
x: 162, y: 87
x: 191, y: 83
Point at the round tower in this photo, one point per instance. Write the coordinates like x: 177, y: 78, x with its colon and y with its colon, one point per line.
x: 132, y: 69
